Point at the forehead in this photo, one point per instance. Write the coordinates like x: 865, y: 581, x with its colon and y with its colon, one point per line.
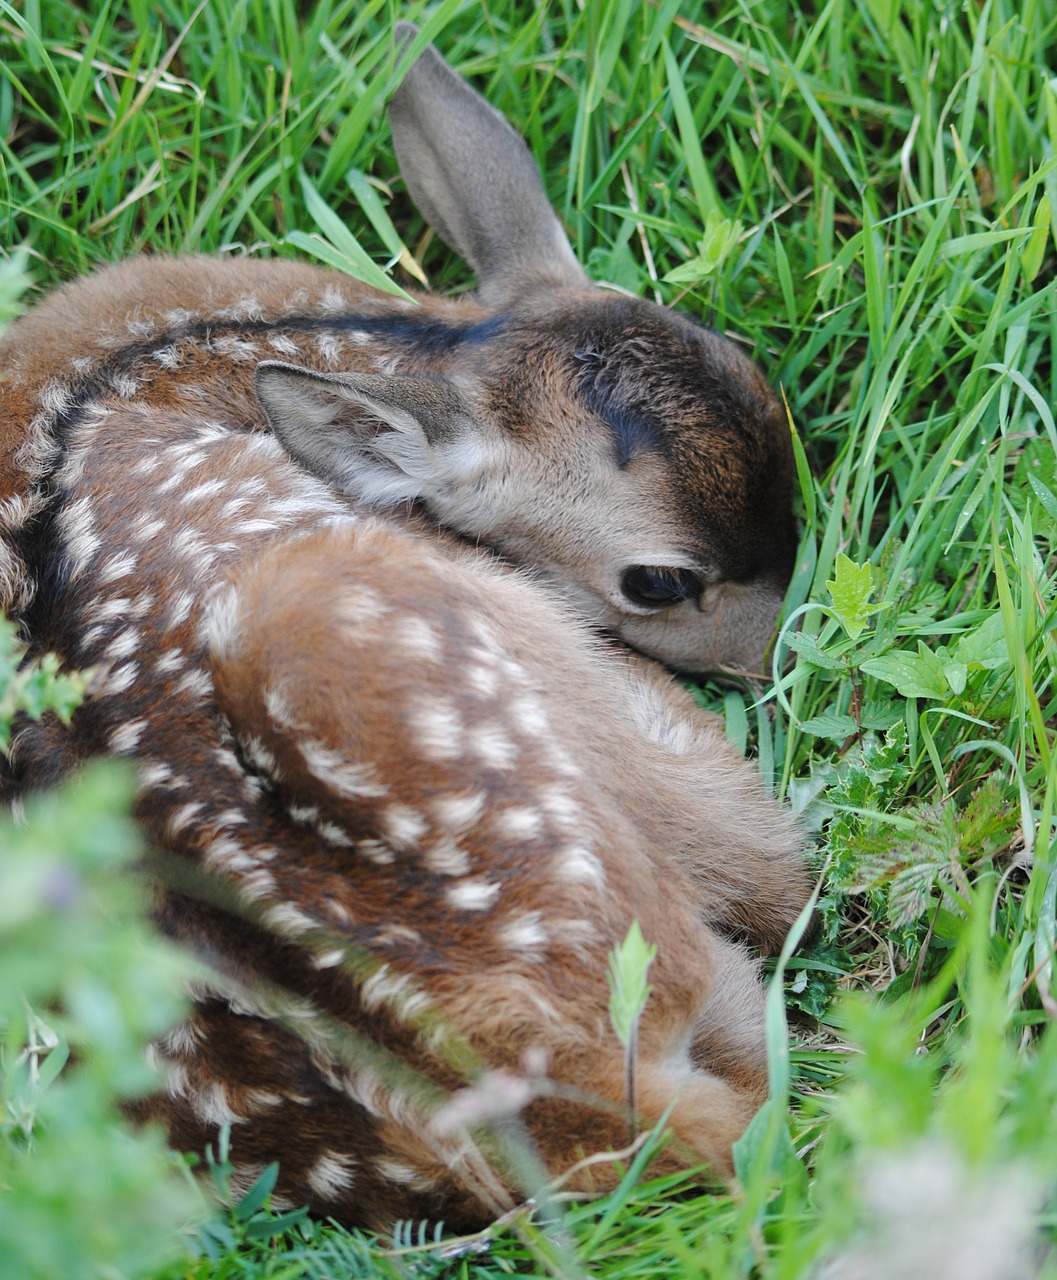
x: 660, y: 386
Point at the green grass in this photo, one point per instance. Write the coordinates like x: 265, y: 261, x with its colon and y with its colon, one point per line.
x: 866, y: 192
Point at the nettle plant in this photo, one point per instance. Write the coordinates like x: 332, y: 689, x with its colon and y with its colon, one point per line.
x: 909, y: 815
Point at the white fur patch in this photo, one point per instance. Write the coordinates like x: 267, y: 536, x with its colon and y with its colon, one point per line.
x: 473, y: 895
x: 125, y: 738
x: 331, y: 1174
x: 458, y: 812
x: 523, y: 932
x: 519, y: 823
x: 403, y: 826
x: 444, y: 857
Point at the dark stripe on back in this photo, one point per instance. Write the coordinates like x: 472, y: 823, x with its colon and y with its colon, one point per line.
x: 37, y: 543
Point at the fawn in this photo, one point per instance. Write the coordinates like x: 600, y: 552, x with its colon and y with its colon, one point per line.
x: 374, y: 593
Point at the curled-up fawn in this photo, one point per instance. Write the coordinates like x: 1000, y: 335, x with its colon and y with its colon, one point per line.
x: 374, y: 593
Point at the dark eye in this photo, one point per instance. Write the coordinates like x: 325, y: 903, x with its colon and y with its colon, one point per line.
x: 660, y: 588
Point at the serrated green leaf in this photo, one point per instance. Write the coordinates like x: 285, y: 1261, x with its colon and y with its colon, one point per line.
x: 836, y: 727
x: 919, y: 675
x: 851, y: 590
x: 810, y: 650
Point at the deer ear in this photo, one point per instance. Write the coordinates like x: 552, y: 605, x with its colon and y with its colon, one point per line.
x: 379, y: 438
x: 476, y: 183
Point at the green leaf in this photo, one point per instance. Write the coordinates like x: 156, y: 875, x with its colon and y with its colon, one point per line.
x: 1032, y: 253
x: 377, y: 214
x: 715, y: 246
x: 852, y: 590
x: 919, y: 675
x: 835, y: 727
x: 810, y: 650
x: 256, y: 1196
x: 337, y: 246
x: 629, y: 964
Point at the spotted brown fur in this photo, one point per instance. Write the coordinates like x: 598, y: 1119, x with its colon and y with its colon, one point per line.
x: 403, y: 796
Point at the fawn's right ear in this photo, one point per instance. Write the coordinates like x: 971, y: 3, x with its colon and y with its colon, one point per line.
x: 381, y: 438
x: 476, y: 183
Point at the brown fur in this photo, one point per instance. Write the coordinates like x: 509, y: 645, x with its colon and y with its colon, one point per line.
x: 407, y: 798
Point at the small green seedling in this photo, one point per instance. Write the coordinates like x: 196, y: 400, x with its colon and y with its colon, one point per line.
x: 629, y: 964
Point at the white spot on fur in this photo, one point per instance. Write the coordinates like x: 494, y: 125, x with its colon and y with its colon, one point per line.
x: 458, y: 812
x: 259, y: 756
x: 180, y: 608
x: 331, y: 1175
x: 328, y: 346
x: 125, y: 738
x: 82, y: 541
x: 376, y: 851
x: 221, y: 628
x: 207, y: 489
x: 519, y: 823
x: 234, y: 348
x: 492, y: 746
x: 107, y: 610
x: 576, y: 864
x: 154, y: 775
x: 332, y: 301
x: 55, y: 398
x: 419, y: 638
x: 184, y: 816
x: 403, y: 826
x: 289, y: 920
x: 473, y: 895
x: 529, y: 715
x: 279, y: 709
x: 523, y: 932
x: 396, y: 991
x: 329, y: 959
x: 168, y: 357
x: 397, y: 935
x: 330, y: 767
x: 196, y: 684
x: 483, y: 679
x: 121, y: 679
x: 170, y: 662
x: 256, y: 884
x: 403, y: 1174
x: 123, y: 645
x: 211, y: 1106
x: 183, y: 1040
x: 284, y: 345
x: 560, y: 806
x: 438, y: 729
x: 119, y: 566
x: 444, y: 857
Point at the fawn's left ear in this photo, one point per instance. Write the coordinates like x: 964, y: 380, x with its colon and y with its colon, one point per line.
x: 382, y: 439
x: 476, y: 183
